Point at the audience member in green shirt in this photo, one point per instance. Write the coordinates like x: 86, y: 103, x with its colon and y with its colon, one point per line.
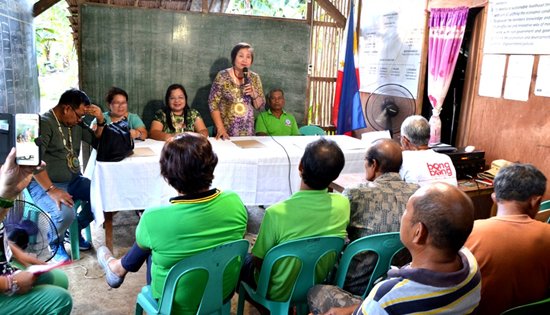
x: 199, y: 218
x: 312, y: 211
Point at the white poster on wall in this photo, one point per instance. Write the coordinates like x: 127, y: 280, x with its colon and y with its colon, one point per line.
x: 492, y: 75
x: 390, y: 43
x: 518, y: 77
x: 542, y: 86
x: 518, y: 27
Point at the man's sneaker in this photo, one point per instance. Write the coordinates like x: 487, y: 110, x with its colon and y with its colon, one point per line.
x: 60, y: 254
x: 67, y: 237
x: 83, y: 244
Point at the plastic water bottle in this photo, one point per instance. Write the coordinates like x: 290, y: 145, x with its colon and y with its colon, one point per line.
x: 435, y: 128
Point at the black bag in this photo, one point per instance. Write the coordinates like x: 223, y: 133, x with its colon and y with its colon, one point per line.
x: 115, y: 143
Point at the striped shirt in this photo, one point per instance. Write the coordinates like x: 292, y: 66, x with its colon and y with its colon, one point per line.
x: 421, y: 291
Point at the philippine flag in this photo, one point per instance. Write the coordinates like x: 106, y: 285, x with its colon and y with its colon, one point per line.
x: 347, y: 112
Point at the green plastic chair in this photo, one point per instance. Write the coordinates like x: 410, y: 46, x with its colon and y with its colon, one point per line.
x: 73, y: 228
x: 312, y: 130
x: 539, y: 307
x: 309, y: 251
x: 544, y: 207
x: 213, y: 261
x: 385, y: 245
x: 73, y: 233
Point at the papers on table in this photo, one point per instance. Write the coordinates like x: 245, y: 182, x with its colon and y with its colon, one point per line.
x: 248, y: 144
x: 143, y: 151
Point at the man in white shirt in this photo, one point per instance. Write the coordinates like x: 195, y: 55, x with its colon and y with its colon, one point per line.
x: 422, y: 165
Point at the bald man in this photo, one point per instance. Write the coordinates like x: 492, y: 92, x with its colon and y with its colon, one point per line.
x: 443, y: 277
x: 376, y: 206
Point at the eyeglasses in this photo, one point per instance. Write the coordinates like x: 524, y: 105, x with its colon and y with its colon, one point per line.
x: 77, y: 115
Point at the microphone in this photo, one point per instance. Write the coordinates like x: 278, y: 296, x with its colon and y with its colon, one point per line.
x: 245, y: 75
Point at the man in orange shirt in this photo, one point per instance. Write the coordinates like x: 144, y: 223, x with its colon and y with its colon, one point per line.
x: 513, y: 249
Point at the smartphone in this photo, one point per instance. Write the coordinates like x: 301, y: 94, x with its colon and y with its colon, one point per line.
x: 27, y: 129
x: 6, y: 136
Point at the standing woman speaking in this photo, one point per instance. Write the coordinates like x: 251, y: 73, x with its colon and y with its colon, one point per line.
x: 235, y: 93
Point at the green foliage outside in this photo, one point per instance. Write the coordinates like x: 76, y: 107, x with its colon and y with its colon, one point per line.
x: 293, y: 9
x: 55, y: 53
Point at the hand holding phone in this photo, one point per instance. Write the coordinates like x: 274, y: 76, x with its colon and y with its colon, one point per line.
x: 27, y: 130
x: 14, y: 178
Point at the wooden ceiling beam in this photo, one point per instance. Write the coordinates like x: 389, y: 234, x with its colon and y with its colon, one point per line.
x: 42, y: 5
x: 333, y: 12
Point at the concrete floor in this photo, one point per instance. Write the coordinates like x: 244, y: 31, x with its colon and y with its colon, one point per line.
x: 91, y: 294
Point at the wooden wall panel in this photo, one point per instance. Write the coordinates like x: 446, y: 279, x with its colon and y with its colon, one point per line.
x: 504, y: 129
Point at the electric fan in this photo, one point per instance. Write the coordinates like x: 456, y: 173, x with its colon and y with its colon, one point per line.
x: 388, y: 106
x: 30, y: 227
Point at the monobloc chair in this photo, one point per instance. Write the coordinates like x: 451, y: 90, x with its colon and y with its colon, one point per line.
x: 73, y: 233
x: 214, y: 261
x: 309, y: 251
x: 539, y: 307
x: 312, y: 130
x: 385, y: 245
x: 544, y: 209
x: 73, y: 228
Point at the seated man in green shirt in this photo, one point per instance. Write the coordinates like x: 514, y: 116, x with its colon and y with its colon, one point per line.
x: 310, y: 212
x: 275, y: 121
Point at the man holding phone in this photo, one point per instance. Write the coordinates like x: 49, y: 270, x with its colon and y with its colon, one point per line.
x: 55, y: 188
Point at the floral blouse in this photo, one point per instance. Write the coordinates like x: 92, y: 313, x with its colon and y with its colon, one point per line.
x: 178, y: 121
x: 236, y: 110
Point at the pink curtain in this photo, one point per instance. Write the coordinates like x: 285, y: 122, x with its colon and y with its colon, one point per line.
x: 446, y: 33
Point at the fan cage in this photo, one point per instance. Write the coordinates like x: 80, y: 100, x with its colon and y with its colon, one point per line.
x: 385, y: 94
x: 30, y: 228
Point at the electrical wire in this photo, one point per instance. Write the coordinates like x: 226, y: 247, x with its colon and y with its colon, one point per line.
x: 284, y: 149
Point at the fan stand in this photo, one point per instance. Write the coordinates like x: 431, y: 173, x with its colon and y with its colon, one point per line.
x: 390, y: 111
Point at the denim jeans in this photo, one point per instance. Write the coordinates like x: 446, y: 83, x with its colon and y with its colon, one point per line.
x: 79, y: 188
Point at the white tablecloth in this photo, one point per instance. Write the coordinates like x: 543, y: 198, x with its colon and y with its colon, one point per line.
x: 260, y: 176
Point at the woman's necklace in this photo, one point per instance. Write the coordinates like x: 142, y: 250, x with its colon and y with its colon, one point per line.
x: 72, y: 160
x: 240, y: 80
x: 236, y: 76
x: 179, y: 124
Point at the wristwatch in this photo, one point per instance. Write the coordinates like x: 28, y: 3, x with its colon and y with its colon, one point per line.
x: 101, y: 124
